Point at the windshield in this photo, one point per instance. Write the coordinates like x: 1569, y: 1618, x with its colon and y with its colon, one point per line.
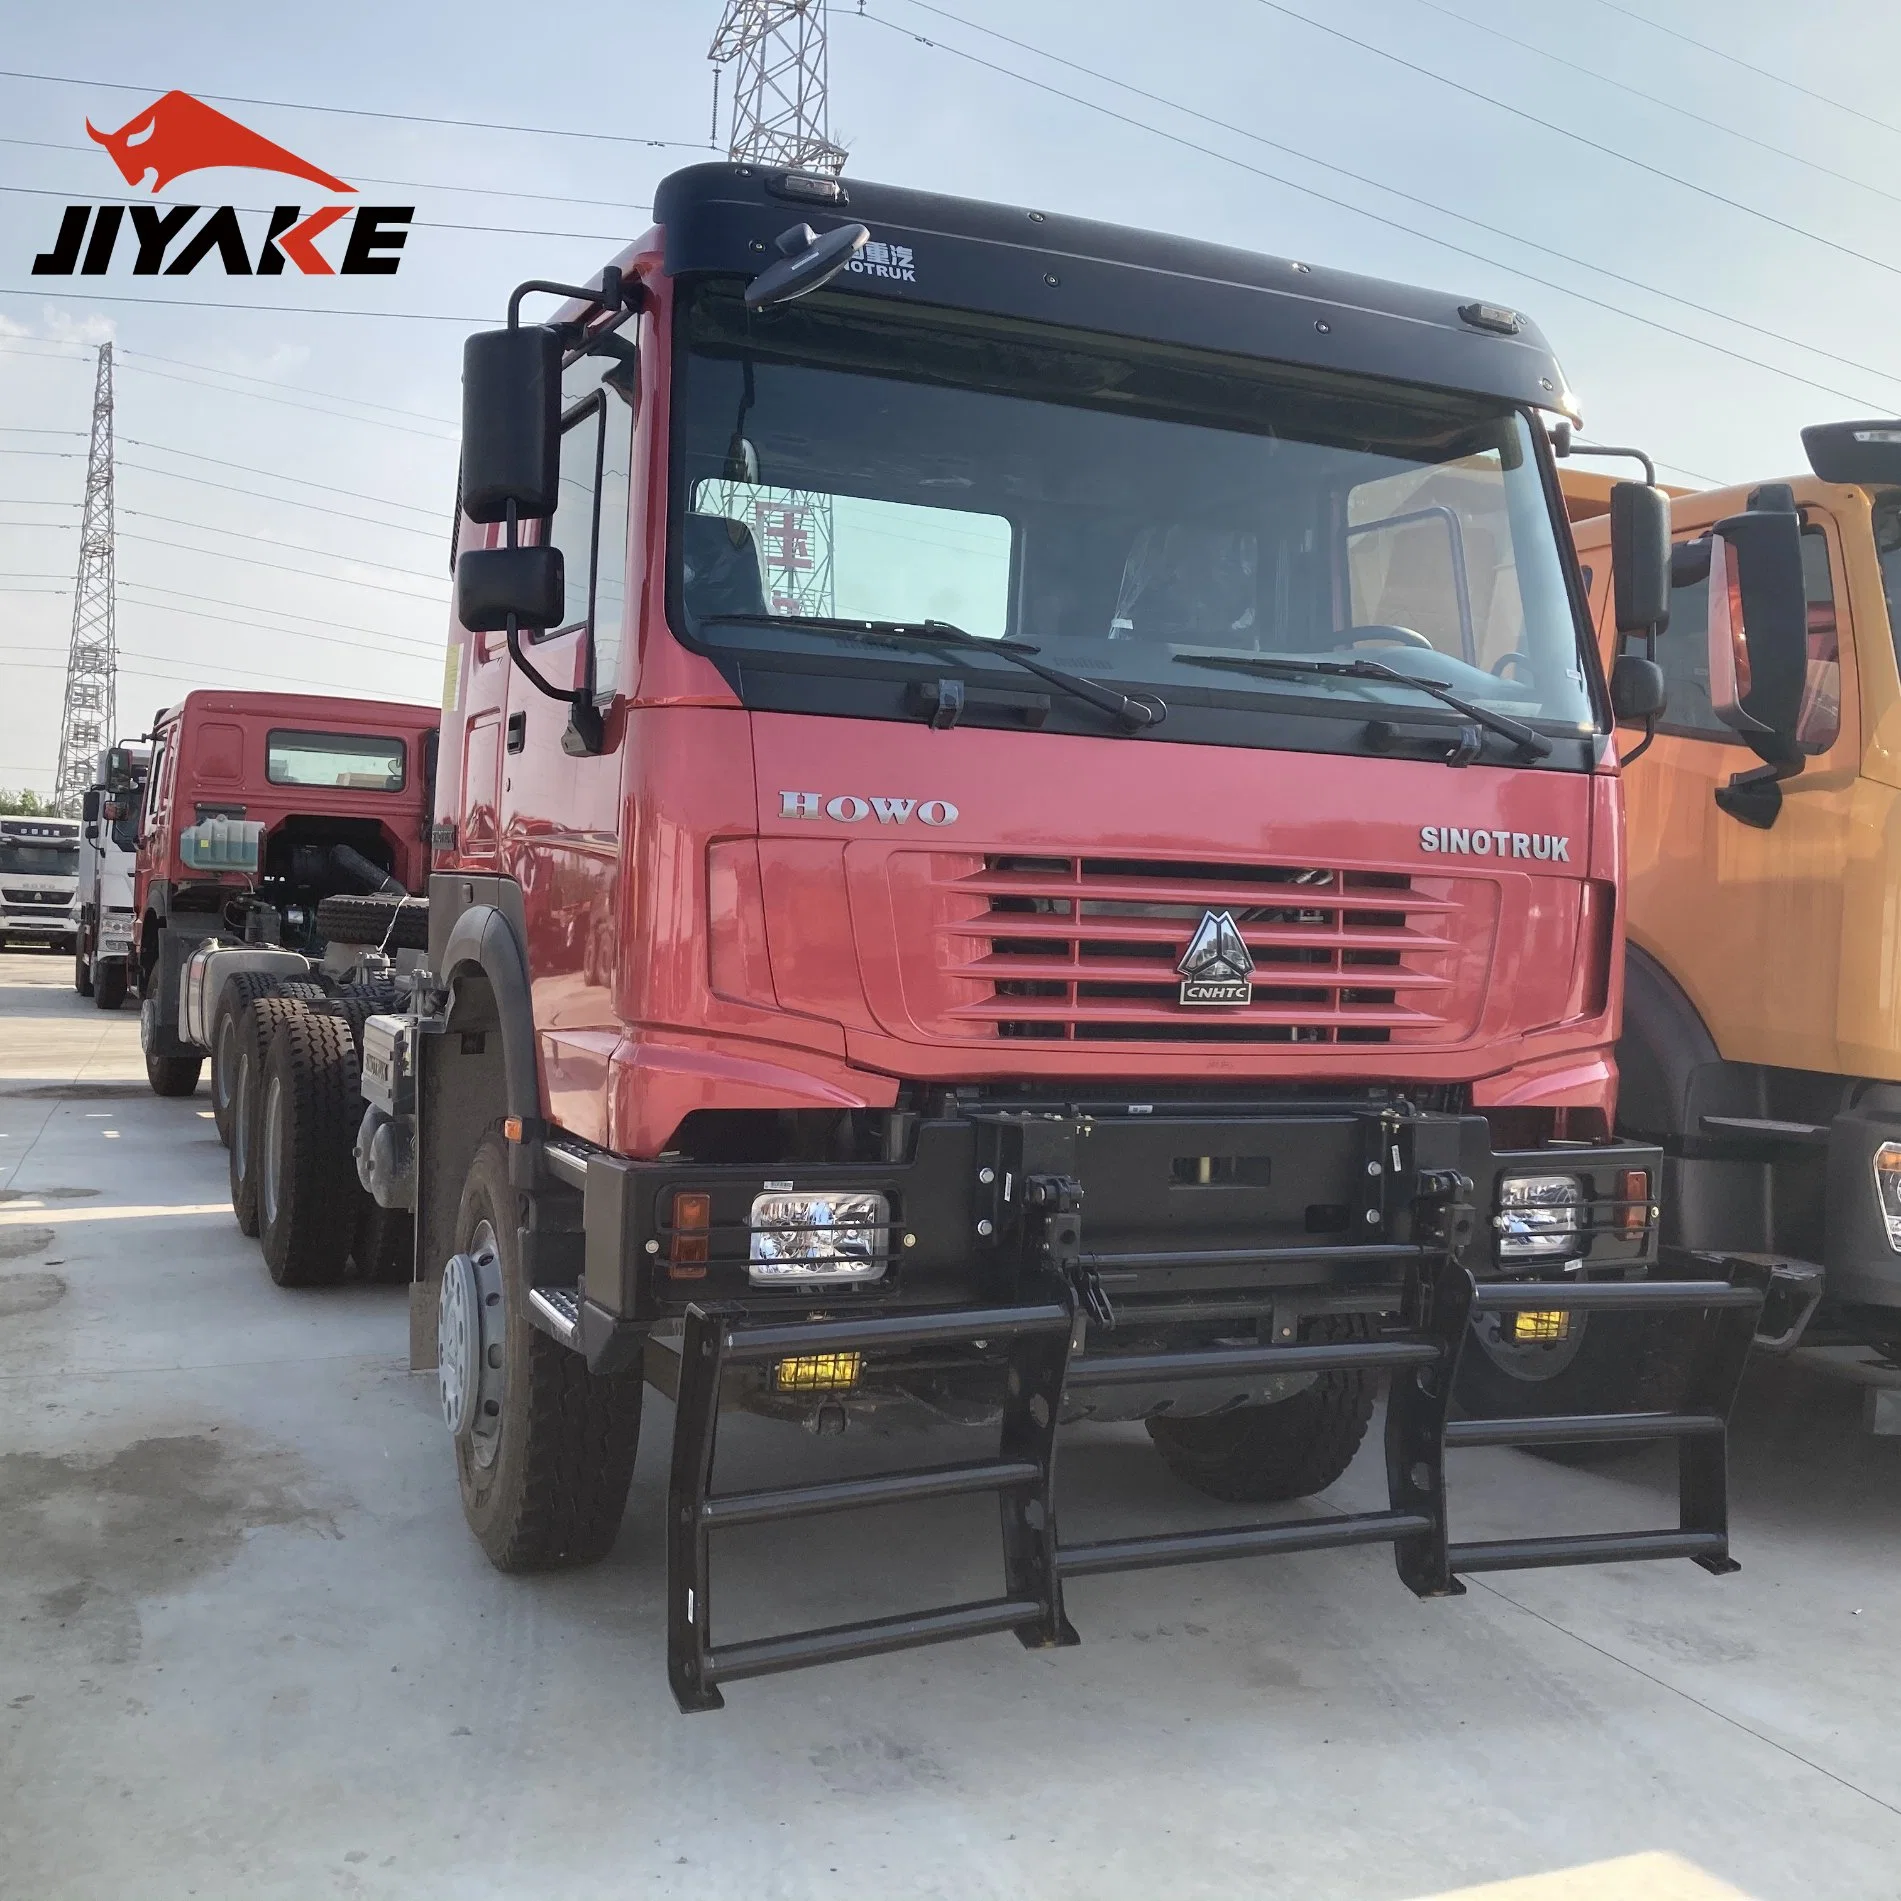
x: 1137, y: 513
x: 21, y: 860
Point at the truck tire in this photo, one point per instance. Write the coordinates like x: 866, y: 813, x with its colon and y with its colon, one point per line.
x: 1617, y: 1363
x: 108, y: 985
x: 168, y: 1075
x: 546, y: 1461
x: 385, y: 1246
x: 307, y: 1191
x: 227, y: 1017
x: 395, y: 923
x: 257, y: 1026
x: 82, y: 973
x: 1291, y: 1448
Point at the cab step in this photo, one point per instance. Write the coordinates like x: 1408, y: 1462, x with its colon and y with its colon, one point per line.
x: 1039, y: 1339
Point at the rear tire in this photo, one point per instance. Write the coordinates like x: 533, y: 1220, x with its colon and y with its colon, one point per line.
x: 385, y: 1247
x: 108, y: 990
x: 307, y: 1115
x: 545, y: 1465
x: 256, y: 1028
x: 227, y: 1018
x: 1265, y: 1455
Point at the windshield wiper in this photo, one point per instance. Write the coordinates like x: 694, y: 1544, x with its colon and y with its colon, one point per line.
x: 1134, y: 714
x: 1528, y: 741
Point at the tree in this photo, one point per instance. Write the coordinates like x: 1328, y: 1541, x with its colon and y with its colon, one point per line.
x: 24, y: 804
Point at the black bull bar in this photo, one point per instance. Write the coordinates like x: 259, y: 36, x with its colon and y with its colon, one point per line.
x: 1040, y: 1337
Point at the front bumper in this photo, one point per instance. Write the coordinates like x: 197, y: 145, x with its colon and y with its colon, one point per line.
x: 1159, y: 1216
x: 41, y: 923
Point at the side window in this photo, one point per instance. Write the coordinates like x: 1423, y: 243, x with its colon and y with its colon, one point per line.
x: 155, y: 784
x: 590, y: 522
x: 1820, y: 723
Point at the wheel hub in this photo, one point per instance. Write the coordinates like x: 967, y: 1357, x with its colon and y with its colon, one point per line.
x: 469, y: 1345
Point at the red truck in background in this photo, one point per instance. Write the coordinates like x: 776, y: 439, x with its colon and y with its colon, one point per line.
x: 1027, y: 830
x: 258, y: 808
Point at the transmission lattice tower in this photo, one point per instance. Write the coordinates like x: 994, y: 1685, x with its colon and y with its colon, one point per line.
x: 780, y: 118
x: 779, y: 88
x: 90, y: 719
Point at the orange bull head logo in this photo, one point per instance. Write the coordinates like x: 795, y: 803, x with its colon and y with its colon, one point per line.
x: 177, y: 135
x: 180, y: 134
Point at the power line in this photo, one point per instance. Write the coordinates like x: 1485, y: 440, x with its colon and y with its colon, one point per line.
x: 281, y: 501
x: 268, y: 310
x: 271, y: 541
x: 405, y: 651
x: 400, y: 184
x: 1361, y: 211
x: 366, y: 112
x: 1717, y: 52
x: 281, y: 613
x: 415, y: 224
x: 170, y: 677
x: 1361, y: 178
x: 241, y: 376
x: 247, y: 468
x: 1579, y: 138
x: 1657, y: 99
x: 290, y: 402
x: 278, y: 567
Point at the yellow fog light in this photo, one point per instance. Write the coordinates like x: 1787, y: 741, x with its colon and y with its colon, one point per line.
x: 1536, y: 1329
x: 818, y: 1373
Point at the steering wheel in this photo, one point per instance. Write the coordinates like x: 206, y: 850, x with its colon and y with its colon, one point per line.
x: 1388, y: 635
x: 1510, y: 662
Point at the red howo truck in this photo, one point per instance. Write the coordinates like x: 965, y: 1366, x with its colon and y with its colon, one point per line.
x: 258, y: 808
x: 1028, y: 829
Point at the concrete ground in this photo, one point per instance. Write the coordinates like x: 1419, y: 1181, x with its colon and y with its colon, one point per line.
x: 247, y: 1646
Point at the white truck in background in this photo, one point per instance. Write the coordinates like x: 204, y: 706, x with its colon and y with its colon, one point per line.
x: 38, y: 862
x: 102, y: 906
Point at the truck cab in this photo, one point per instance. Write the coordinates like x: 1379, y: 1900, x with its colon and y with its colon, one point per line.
x: 258, y: 807
x: 1027, y: 830
x: 1762, y: 1034
x: 103, y: 904
x: 39, y: 870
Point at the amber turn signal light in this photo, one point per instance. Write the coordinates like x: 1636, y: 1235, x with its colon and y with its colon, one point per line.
x: 692, y: 1217
x: 1633, y: 1190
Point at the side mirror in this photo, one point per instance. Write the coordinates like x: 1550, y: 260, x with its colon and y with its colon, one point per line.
x: 806, y: 262
x: 1637, y: 689
x: 1758, y: 630
x: 1855, y: 452
x: 1640, y: 557
x: 511, y: 423
x: 493, y: 585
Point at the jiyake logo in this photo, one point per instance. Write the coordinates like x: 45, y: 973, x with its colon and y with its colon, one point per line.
x: 179, y: 135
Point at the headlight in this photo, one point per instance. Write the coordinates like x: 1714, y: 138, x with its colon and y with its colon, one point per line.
x: 819, y: 1237
x: 1540, y: 1217
x: 1888, y: 1189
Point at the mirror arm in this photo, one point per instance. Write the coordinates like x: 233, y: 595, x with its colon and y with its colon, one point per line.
x: 1562, y: 445
x: 610, y: 296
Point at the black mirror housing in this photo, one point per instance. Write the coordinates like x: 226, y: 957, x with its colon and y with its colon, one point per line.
x: 806, y: 262
x: 1637, y: 689
x: 511, y: 423
x: 1758, y: 630
x: 1855, y: 452
x: 493, y: 585
x: 1640, y: 557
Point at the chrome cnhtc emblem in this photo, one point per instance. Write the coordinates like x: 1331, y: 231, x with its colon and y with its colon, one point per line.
x: 1216, y: 968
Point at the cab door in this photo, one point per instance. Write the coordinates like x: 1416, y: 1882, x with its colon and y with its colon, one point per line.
x: 1748, y: 918
x: 559, y: 810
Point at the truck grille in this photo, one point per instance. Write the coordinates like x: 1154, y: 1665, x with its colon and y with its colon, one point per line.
x: 1085, y: 950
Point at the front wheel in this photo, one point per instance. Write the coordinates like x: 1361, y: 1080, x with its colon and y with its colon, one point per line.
x: 1532, y: 1365
x: 82, y: 973
x: 108, y: 990
x: 1265, y: 1455
x: 168, y: 1075
x: 544, y: 1449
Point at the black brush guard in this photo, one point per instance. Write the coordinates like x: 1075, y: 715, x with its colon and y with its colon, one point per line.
x: 1038, y: 1337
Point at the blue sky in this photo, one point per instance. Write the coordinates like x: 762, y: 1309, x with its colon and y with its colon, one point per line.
x: 1807, y: 250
